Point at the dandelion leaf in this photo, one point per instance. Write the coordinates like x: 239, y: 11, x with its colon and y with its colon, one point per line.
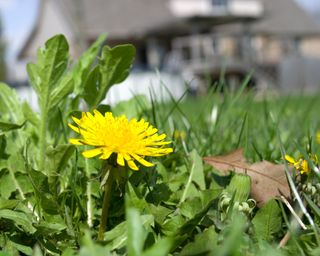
x: 10, y: 105
x: 267, y: 221
x: 20, y: 219
x: 45, y: 75
x: 81, y: 69
x: 113, y: 68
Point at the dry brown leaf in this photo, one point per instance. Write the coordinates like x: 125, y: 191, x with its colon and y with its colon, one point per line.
x: 268, y: 179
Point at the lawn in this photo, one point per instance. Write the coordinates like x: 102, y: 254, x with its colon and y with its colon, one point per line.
x: 189, y: 196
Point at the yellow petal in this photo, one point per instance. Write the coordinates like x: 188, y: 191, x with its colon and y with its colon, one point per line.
x: 120, y: 159
x: 130, y: 162
x: 92, y: 152
x: 142, y: 161
x: 76, y: 142
x: 159, y: 143
x: 157, y: 137
x: 304, y: 166
x: 75, y: 128
x: 106, y: 154
x: 290, y: 159
x: 76, y: 120
x: 132, y: 165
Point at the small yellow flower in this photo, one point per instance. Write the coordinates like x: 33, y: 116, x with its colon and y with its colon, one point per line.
x: 129, y: 140
x: 301, y: 164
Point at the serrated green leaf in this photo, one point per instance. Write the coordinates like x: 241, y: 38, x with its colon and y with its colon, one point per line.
x: 26, y: 250
x: 80, y: 71
x: 59, y: 156
x: 16, y: 163
x: 19, y: 218
x: 7, y: 185
x: 10, y: 104
x: 39, y: 181
x: 116, y: 63
x: 49, y: 204
x: 91, y: 86
x: 114, y: 66
x: 9, y: 126
x: 24, y: 184
x: 50, y: 228
x: 62, y: 90
x: 117, y: 237
x: 267, y: 221
x: 171, y: 226
x: 8, y: 204
x: 159, y: 212
x: 190, y: 207
x: 34, y: 77
x: 30, y: 115
x: 134, y: 198
x: 158, y: 194
x: 190, y: 225
x: 52, y: 62
x: 3, y: 145
x: 204, y: 244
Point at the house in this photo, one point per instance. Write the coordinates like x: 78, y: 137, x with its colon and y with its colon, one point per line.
x: 148, y: 24
x: 282, y: 49
x: 191, y: 37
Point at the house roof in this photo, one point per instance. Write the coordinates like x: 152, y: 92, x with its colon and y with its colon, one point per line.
x: 125, y: 19
x: 133, y: 18
x: 280, y: 18
x: 120, y: 18
x: 286, y: 17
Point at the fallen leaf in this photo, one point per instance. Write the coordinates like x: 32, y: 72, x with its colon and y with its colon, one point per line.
x: 268, y: 179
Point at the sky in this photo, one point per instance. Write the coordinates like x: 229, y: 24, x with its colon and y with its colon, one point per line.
x: 19, y: 16
x: 310, y: 4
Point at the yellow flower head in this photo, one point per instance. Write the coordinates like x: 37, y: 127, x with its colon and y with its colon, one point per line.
x: 130, y: 140
x: 301, y: 164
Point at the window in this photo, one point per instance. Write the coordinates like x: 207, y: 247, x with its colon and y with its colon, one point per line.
x: 219, y: 2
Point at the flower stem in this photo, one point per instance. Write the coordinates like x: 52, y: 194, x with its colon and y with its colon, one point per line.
x: 88, y: 192
x: 106, y: 203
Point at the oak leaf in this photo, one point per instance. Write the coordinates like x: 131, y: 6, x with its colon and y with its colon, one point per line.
x: 268, y: 180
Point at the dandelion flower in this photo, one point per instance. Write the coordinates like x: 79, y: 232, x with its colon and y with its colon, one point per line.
x: 130, y: 140
x: 301, y: 164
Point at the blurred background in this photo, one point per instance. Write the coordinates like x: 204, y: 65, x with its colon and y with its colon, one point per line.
x: 181, y: 44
